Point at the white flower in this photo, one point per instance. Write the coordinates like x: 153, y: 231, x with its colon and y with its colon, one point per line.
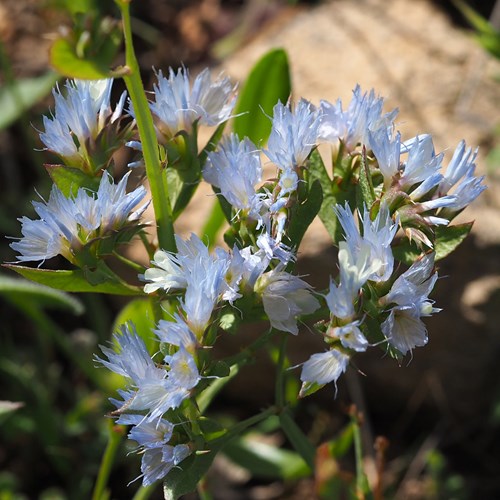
x: 79, y: 118
x: 375, y: 244
x: 460, y: 176
x: 285, y: 297
x: 66, y: 224
x: 177, y: 333
x: 403, y: 328
x: 353, y: 126
x: 293, y: 134
x: 131, y: 359
x: 323, y: 368
x: 235, y: 169
x: 177, y: 105
x: 350, y: 336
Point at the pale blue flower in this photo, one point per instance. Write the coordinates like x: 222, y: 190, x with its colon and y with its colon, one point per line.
x: 323, y: 368
x: 285, y: 297
x: 387, y: 151
x: 293, y: 134
x: 177, y: 333
x: 421, y: 165
x: 166, y: 273
x: 403, y: 328
x: 350, y: 336
x: 79, y: 117
x: 236, y: 170
x: 177, y: 104
x: 376, y: 240
x: 354, y: 269
x: 131, y: 359
x: 156, y: 463
x: 206, y: 285
x: 66, y: 224
x: 353, y: 126
x: 460, y: 179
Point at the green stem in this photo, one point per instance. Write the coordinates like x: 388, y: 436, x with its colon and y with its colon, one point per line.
x: 147, y: 134
x: 358, y: 453
x: 144, y: 492
x: 130, y: 263
x: 116, y: 434
x: 280, y: 373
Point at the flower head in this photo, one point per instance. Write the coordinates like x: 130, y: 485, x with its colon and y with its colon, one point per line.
x: 79, y: 119
x: 323, y: 368
x: 293, y: 134
x: 67, y: 224
x: 235, y: 169
x: 285, y: 297
x: 403, y: 328
x: 177, y: 104
x: 353, y: 126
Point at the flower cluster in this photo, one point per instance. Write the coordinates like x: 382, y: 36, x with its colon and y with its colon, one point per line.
x: 387, y: 205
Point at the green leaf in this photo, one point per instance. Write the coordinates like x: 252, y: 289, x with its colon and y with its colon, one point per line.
x: 303, y: 214
x: 64, y: 59
x: 18, y: 289
x: 332, y: 194
x: 213, y: 224
x: 365, y: 193
x: 140, y: 313
x: 69, y: 180
x: 184, y: 478
x: 73, y: 281
x: 297, y: 438
x: 268, y: 82
x: 265, y: 460
x: 20, y: 96
x: 446, y: 240
x: 449, y: 237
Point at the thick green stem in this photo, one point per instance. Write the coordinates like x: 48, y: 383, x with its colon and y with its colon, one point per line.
x: 116, y: 433
x: 147, y: 134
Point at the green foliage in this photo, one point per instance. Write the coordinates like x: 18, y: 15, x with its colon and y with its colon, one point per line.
x: 74, y: 281
x: 447, y: 239
x: 139, y: 312
x: 70, y: 180
x: 486, y: 34
x: 268, y: 82
x: 19, y: 96
x: 265, y: 460
x: 88, y: 52
x: 20, y: 290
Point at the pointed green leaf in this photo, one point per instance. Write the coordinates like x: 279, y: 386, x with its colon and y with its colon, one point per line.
x: 64, y: 59
x: 184, y: 478
x: 297, y: 438
x: 24, y: 290
x: 449, y: 237
x: 265, y: 460
x: 303, y: 214
x: 332, y: 194
x: 73, y: 281
x: 365, y: 193
x: 268, y: 82
x: 21, y: 95
x: 140, y: 313
x: 214, y: 224
x: 69, y: 180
